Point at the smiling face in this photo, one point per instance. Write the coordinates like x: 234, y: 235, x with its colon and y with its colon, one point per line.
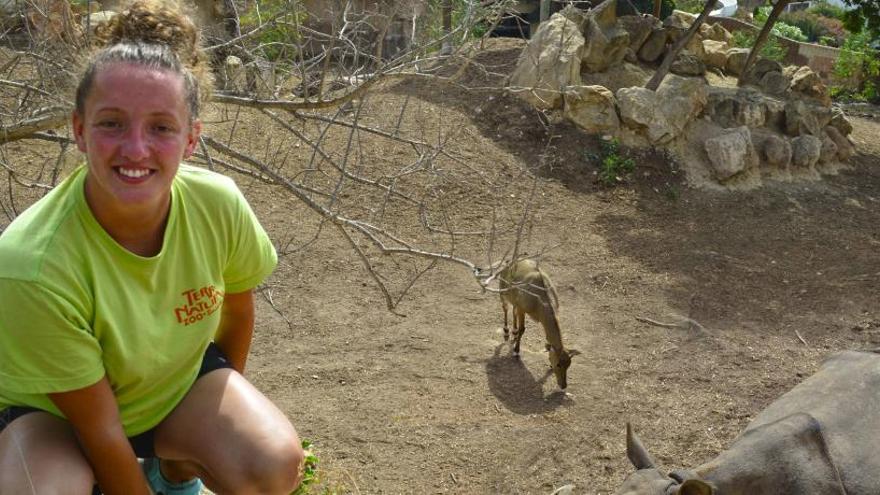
x: 135, y: 128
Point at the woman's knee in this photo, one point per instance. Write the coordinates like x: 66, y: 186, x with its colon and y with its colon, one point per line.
x: 39, y: 454
x: 277, y: 469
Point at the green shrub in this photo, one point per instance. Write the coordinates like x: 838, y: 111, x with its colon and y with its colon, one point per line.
x: 827, y: 10
x: 815, y: 27
x: 772, y: 49
x: 692, y: 6
x: 858, y: 59
x: 278, y: 40
x: 761, y: 14
x: 788, y: 31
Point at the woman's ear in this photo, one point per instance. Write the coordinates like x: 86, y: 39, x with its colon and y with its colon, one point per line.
x: 78, y: 127
x: 192, y: 138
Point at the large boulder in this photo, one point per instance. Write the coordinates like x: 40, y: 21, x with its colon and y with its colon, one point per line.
x: 777, y: 151
x: 774, y: 83
x: 845, y: 149
x: 550, y: 62
x: 677, y: 24
x: 736, y: 60
x: 805, y: 151
x: 808, y: 83
x: 639, y: 111
x: 603, y: 47
x: 715, y: 53
x: 800, y: 118
x: 686, y: 64
x: 731, y: 153
x: 839, y: 120
x: 694, y: 46
x: 592, y: 108
x: 775, y: 118
x: 654, y: 46
x: 681, y: 100
x: 718, y: 33
x: 729, y: 107
x: 761, y: 67
x: 828, y: 152
x: 639, y: 28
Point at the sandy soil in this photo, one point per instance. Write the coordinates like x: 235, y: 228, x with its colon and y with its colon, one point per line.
x: 433, y: 402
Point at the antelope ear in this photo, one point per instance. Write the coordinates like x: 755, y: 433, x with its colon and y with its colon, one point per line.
x: 636, y: 452
x: 695, y: 487
x: 574, y: 352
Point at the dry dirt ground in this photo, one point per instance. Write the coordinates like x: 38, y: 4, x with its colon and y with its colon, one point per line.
x: 433, y: 402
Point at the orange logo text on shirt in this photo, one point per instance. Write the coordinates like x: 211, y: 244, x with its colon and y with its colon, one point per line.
x: 200, y: 303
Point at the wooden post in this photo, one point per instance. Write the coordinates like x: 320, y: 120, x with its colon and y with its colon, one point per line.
x: 447, y: 28
x: 545, y: 10
x: 762, y: 37
x: 655, y: 81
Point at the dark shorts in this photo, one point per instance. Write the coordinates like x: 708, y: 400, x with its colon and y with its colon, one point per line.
x: 143, y: 444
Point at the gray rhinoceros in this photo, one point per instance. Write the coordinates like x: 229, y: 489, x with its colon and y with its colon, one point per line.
x: 820, y: 438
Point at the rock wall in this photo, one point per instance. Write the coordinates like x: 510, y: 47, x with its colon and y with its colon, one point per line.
x: 780, y: 125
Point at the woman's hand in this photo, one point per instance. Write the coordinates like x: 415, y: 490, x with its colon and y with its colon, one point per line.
x: 94, y: 415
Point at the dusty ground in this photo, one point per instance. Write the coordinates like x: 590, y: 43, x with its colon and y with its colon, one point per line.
x: 433, y: 402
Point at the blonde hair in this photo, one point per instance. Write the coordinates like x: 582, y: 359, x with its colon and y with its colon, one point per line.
x: 154, y: 34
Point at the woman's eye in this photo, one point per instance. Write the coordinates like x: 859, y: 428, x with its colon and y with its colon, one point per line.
x: 109, y: 124
x: 163, y: 129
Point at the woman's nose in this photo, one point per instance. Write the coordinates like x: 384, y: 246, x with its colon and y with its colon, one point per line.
x: 136, y: 145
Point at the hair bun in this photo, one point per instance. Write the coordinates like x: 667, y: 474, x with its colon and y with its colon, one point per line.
x: 153, y: 21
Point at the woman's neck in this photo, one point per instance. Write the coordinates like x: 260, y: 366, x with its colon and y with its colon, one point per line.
x: 139, y: 230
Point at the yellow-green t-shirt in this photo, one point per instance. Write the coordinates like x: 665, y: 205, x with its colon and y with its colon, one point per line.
x: 75, y: 305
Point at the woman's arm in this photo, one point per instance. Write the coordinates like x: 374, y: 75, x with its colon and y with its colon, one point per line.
x: 236, y: 328
x: 94, y: 415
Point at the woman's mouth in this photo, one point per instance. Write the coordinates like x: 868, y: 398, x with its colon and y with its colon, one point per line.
x: 134, y: 174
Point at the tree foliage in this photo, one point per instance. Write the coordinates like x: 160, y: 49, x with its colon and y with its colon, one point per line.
x: 864, y: 14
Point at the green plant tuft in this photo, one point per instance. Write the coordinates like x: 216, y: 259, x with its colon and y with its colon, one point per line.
x: 613, y: 167
x: 310, y: 469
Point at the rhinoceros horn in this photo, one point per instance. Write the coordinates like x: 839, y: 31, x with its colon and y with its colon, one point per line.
x: 636, y: 452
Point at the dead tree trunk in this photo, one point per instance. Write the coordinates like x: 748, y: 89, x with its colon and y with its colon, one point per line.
x: 447, y: 27
x: 762, y: 38
x: 544, y: 12
x: 655, y: 81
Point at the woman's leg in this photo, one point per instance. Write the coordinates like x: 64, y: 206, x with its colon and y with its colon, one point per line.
x: 230, y: 435
x: 39, y: 454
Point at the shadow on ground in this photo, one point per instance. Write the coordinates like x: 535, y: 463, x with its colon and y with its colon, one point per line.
x: 515, y: 386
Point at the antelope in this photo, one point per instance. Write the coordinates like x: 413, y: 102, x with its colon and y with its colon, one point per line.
x: 529, y: 290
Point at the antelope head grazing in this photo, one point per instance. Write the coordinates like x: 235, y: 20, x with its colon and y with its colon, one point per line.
x: 529, y: 291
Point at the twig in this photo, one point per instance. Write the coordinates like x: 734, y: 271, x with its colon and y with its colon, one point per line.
x: 801, y: 338
x: 26, y: 128
x: 267, y: 294
x: 657, y: 323
x: 389, y: 303
x: 4, y: 82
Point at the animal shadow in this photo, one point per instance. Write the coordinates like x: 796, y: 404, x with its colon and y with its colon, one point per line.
x: 515, y: 386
